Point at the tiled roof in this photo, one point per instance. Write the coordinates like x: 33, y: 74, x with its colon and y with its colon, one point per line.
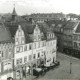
x: 4, y: 34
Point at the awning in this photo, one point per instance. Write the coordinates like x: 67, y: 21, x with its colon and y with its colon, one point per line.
x: 38, y: 69
x: 47, y: 65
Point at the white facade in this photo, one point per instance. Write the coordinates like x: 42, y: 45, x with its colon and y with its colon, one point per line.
x: 30, y: 53
x: 50, y: 49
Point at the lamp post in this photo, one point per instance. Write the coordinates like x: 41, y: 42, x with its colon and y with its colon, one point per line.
x: 71, y: 63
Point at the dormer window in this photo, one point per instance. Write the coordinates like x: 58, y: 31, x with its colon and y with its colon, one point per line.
x: 19, y: 33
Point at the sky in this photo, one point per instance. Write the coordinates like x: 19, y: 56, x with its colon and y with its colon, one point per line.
x: 40, y: 6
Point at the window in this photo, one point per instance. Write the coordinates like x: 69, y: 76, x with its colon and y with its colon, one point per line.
x: 38, y: 55
x: 19, y: 33
x: 25, y: 48
x: 17, y: 49
x: 75, y: 37
x: 79, y: 44
x: 21, y: 60
x: 25, y: 59
x: 17, y: 62
x: 22, y: 40
x: 39, y: 37
x: 75, y: 44
x: 34, y: 56
x: 21, y: 48
x: 30, y: 57
x: 2, y: 54
x: 30, y: 46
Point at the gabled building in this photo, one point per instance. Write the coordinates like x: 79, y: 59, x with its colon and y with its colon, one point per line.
x: 29, y: 46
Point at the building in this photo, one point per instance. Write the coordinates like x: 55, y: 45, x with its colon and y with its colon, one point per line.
x: 42, y: 17
x: 69, y: 29
x: 51, y: 48
x: 25, y: 46
x: 76, y: 41
x: 6, y: 53
x: 57, y: 27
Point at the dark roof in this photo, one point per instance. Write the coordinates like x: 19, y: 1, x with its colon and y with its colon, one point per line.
x: 27, y: 28
x: 56, y: 22
x: 14, y: 12
x: 4, y: 34
x: 70, y: 25
x: 78, y: 28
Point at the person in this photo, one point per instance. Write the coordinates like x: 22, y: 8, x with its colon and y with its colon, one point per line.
x: 27, y: 70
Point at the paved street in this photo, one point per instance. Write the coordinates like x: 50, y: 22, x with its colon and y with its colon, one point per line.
x: 63, y: 71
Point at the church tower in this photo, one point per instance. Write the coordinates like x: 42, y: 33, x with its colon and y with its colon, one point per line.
x: 14, y: 14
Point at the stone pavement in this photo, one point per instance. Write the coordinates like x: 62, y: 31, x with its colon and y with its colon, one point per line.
x: 63, y: 71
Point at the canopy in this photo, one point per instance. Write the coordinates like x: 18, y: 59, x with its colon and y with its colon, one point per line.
x: 38, y: 69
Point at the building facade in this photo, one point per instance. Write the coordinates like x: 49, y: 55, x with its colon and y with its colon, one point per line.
x: 6, y: 53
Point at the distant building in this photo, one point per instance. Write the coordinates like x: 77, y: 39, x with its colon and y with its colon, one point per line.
x: 42, y: 17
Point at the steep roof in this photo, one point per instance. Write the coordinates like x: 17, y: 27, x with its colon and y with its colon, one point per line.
x: 4, y: 34
x: 78, y: 28
x: 14, y: 12
x: 27, y: 28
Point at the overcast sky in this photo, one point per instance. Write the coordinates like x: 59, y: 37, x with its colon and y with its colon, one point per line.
x: 40, y: 6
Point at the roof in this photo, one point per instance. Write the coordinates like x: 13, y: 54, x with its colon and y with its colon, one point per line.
x: 70, y: 25
x: 14, y: 12
x: 4, y: 34
x: 56, y: 22
x: 78, y: 28
x: 27, y: 28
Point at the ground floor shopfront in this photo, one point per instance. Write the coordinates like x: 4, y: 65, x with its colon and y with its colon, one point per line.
x: 23, y: 71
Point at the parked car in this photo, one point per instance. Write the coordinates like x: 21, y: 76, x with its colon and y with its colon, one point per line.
x: 52, y: 66
x: 37, y: 72
x: 57, y: 63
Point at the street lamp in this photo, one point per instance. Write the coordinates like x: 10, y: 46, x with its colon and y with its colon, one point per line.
x: 71, y: 63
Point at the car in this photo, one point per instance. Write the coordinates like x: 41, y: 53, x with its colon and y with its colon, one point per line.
x: 57, y: 63
x: 37, y: 72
